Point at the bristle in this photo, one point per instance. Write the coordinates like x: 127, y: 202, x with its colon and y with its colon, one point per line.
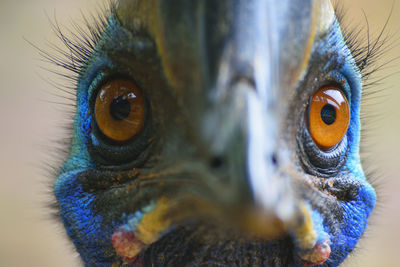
x: 79, y: 43
x: 369, y: 52
x: 70, y: 59
x: 365, y: 49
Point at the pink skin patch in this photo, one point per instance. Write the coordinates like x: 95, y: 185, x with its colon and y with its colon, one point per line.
x: 316, y: 256
x: 127, y: 246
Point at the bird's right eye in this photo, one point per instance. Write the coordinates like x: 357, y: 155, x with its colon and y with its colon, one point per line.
x: 120, y: 110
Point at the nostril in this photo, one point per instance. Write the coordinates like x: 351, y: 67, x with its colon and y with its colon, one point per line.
x: 216, y: 162
x: 274, y: 159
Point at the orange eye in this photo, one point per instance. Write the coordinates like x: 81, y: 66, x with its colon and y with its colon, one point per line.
x: 329, y: 117
x: 120, y: 110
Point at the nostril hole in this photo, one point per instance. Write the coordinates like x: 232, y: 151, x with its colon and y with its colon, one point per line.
x: 216, y: 162
x: 274, y: 159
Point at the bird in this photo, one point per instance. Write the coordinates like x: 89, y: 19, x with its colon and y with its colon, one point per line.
x: 214, y: 133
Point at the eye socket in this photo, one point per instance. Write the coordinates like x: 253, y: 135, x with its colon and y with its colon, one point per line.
x: 329, y: 117
x: 120, y: 110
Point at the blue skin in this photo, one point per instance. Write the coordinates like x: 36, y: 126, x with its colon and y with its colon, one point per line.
x: 93, y: 239
x: 357, y: 211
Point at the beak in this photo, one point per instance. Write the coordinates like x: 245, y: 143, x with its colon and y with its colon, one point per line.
x: 233, y: 67
x: 246, y: 123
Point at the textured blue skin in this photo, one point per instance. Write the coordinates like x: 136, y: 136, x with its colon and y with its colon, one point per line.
x: 357, y: 211
x: 94, y: 242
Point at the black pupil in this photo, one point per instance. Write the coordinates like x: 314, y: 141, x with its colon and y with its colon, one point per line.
x: 328, y: 114
x: 120, y: 108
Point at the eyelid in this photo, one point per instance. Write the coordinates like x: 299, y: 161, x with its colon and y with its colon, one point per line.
x: 339, y: 79
x: 106, y: 153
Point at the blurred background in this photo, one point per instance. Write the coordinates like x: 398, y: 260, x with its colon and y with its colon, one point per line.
x: 30, y: 122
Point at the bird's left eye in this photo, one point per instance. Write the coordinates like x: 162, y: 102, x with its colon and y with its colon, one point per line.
x: 328, y: 117
x: 120, y: 110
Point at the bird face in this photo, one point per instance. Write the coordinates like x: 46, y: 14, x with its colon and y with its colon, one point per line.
x: 216, y: 133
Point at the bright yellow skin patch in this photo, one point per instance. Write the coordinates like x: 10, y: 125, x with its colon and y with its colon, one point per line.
x: 154, y: 223
x: 305, y: 233
x: 129, y: 240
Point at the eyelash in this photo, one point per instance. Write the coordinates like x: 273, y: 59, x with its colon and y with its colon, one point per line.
x: 80, y: 41
x: 365, y: 49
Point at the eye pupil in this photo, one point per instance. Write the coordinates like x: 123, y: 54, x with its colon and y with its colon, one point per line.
x: 328, y: 114
x: 120, y: 108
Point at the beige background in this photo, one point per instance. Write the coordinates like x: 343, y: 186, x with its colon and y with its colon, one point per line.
x: 29, y: 123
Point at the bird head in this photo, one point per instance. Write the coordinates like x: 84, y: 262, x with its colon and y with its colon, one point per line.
x: 218, y: 133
